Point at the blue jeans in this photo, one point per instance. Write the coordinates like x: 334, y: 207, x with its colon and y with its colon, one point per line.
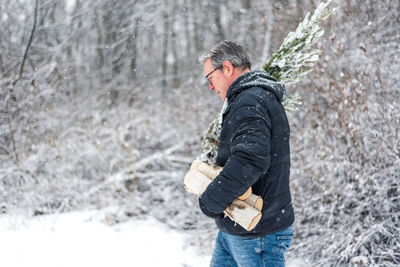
x: 268, y: 251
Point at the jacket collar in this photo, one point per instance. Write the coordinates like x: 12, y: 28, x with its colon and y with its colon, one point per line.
x: 256, y: 79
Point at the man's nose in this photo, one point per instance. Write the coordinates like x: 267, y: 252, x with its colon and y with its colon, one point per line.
x: 211, y: 86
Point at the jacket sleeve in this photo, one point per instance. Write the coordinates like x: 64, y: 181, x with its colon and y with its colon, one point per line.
x: 249, y: 159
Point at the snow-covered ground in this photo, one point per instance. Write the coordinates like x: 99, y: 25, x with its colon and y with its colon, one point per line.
x: 84, y: 239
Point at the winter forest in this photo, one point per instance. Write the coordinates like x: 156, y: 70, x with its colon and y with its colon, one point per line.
x: 103, y: 106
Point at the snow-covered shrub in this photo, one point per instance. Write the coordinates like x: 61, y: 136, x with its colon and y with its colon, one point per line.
x: 346, y: 148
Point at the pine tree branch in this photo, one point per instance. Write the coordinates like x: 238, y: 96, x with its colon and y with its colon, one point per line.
x: 294, y: 59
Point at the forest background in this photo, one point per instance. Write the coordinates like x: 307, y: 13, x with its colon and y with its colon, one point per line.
x: 103, y: 105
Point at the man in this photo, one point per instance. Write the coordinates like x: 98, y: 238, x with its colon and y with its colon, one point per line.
x: 254, y: 151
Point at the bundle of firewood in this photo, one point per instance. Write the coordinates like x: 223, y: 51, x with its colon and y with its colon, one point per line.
x: 246, y: 210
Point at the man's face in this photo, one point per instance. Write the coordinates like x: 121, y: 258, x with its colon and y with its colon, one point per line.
x: 217, y: 80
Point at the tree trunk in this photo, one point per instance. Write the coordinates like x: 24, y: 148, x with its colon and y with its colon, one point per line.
x: 132, y: 46
x: 246, y: 4
x: 174, y: 45
x: 196, y: 35
x: 187, y: 28
x: 35, y: 14
x: 164, y: 59
x: 100, y: 42
x: 217, y: 20
x: 269, y: 24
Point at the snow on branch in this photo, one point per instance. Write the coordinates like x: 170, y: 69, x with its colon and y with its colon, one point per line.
x: 296, y: 57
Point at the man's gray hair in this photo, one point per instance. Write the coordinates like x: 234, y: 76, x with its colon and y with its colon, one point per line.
x: 230, y: 51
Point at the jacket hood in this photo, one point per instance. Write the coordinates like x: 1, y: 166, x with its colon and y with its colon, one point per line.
x: 259, y: 79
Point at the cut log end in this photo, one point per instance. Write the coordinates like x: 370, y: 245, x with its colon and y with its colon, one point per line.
x: 195, y: 182
x: 244, y: 214
x: 210, y: 171
x: 246, y: 195
x: 254, y: 222
x: 255, y: 201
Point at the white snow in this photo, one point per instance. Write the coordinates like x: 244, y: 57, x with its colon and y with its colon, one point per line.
x: 83, y: 239
x: 297, y: 263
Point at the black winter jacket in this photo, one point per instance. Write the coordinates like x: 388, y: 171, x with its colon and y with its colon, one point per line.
x: 254, y: 151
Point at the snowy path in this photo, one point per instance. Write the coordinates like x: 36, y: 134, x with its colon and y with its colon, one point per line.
x: 80, y: 239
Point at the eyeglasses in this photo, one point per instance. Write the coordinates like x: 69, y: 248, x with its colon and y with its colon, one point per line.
x: 211, y: 72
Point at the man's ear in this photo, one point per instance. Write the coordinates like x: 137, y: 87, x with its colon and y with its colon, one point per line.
x: 228, y: 67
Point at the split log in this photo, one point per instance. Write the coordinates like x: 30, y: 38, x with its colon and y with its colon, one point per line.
x: 255, y: 201
x: 196, y: 182
x: 246, y: 213
x: 211, y: 171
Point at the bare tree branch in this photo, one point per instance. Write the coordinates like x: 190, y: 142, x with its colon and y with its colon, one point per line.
x: 30, y: 39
